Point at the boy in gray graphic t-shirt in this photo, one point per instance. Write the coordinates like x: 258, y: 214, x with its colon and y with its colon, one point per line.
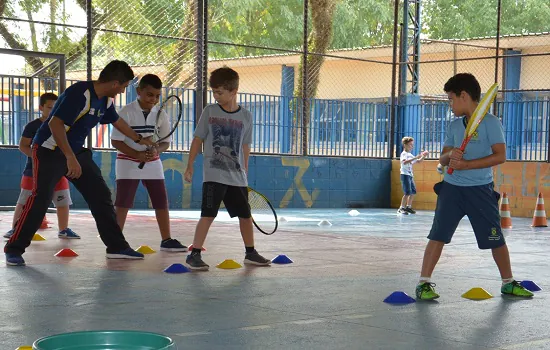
x: 225, y: 129
x: 224, y: 134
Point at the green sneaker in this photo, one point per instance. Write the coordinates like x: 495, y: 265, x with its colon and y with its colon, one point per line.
x: 425, y: 291
x: 514, y: 288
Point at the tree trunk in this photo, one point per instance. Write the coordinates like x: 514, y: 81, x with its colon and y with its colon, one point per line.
x: 319, y: 40
x: 35, y: 63
x: 53, y: 10
x: 33, y: 30
x: 13, y: 43
x: 185, y: 51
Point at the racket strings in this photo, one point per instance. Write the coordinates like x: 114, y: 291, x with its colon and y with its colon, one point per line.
x: 258, y: 203
x: 262, y: 213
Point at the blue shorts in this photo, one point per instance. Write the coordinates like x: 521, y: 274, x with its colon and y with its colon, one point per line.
x: 407, y: 182
x: 479, y: 203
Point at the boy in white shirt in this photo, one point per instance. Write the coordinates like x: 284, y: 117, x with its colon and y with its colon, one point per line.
x: 407, y: 181
x: 141, y: 115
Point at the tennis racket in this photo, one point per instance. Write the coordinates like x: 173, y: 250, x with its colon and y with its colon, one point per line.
x: 476, y: 118
x: 172, y: 106
x: 264, y: 216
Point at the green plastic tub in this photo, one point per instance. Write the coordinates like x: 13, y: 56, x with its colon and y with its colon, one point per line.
x: 105, y: 340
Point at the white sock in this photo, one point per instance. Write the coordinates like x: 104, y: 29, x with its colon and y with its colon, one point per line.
x: 507, y: 280
x: 424, y: 280
x: 408, y: 206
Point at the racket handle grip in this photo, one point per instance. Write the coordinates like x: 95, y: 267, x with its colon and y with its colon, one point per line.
x: 141, y: 165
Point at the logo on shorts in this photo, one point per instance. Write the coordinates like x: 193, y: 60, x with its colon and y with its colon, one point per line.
x: 494, y: 235
x: 92, y: 111
x: 60, y: 198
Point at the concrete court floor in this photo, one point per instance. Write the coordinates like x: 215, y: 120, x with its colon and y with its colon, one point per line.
x: 329, y: 298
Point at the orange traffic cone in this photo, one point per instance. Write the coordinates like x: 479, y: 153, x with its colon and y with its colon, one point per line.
x: 505, y: 218
x: 44, y: 224
x: 539, y: 217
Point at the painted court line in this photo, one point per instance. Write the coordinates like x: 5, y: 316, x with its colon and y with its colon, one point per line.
x: 254, y: 328
x: 315, y: 320
x: 191, y: 334
x: 527, y: 344
x: 355, y: 317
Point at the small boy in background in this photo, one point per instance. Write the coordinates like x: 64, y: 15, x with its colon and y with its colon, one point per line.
x: 62, y: 194
x: 409, y: 189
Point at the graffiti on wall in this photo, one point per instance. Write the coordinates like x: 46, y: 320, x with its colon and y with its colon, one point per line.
x: 292, y: 181
x: 174, y: 168
x: 297, y: 184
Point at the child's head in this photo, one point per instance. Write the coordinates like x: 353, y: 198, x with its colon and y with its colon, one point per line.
x: 116, y: 75
x: 148, y: 91
x: 46, y: 103
x: 408, y: 143
x: 463, y: 90
x: 225, y: 84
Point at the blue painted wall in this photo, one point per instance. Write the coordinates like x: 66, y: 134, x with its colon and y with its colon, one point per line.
x: 289, y: 182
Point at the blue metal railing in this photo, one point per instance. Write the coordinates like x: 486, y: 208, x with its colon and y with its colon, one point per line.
x: 348, y: 128
x: 525, y: 122
x: 336, y: 127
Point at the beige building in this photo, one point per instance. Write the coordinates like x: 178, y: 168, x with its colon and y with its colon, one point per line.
x: 349, y: 77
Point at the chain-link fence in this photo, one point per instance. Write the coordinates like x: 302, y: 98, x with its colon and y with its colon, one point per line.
x: 321, y: 77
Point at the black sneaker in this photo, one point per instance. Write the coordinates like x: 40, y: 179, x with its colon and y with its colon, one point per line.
x: 402, y: 211
x: 255, y: 258
x: 172, y: 245
x: 195, y: 262
x: 410, y: 210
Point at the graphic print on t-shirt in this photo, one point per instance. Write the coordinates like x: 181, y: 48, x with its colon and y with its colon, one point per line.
x: 226, y: 139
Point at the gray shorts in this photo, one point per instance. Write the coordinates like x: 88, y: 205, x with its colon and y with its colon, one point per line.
x: 61, y: 198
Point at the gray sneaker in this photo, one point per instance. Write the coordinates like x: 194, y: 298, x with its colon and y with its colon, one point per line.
x: 172, y: 245
x: 255, y: 258
x: 195, y: 262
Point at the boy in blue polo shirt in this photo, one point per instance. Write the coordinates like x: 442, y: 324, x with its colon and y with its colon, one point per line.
x: 58, y: 151
x: 470, y: 189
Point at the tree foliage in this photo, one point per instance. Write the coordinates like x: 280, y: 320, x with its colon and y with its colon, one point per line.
x: 264, y: 23
x: 462, y: 19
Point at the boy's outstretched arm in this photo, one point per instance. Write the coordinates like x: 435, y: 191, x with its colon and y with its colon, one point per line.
x: 418, y: 158
x: 195, y: 148
x: 127, y: 131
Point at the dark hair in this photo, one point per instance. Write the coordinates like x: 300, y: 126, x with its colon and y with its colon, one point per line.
x: 150, y: 80
x: 464, y: 82
x: 116, y: 71
x: 224, y: 77
x: 48, y: 96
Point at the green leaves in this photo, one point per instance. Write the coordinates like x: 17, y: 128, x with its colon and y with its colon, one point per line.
x: 462, y: 19
x: 266, y: 23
